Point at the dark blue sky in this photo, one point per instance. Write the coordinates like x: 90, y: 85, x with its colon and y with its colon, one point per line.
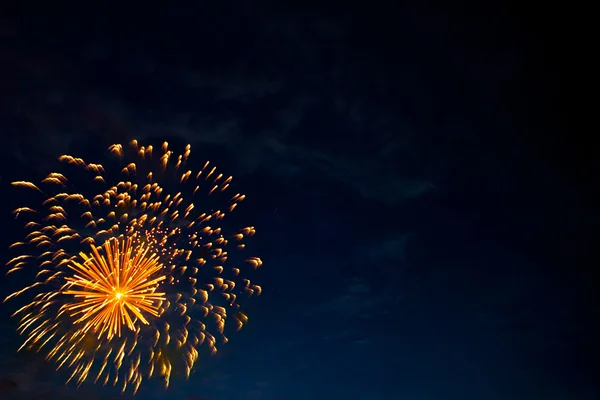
x: 424, y: 210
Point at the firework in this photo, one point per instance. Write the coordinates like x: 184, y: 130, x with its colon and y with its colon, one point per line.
x: 130, y: 279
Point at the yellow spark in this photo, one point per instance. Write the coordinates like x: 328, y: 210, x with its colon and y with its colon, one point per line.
x: 116, y: 287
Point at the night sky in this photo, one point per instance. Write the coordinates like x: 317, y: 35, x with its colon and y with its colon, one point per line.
x: 426, y: 215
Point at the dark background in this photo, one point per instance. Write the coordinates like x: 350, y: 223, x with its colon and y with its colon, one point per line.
x: 425, y: 208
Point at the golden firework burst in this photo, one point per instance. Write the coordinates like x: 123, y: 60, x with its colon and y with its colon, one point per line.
x: 115, y: 288
x: 158, y: 279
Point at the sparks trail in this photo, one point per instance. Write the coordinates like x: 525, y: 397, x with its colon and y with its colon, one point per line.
x: 133, y: 279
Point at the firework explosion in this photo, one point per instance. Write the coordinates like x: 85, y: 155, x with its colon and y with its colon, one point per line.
x: 130, y: 279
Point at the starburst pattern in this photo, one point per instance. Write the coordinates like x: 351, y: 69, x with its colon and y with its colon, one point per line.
x: 130, y: 279
x: 116, y: 288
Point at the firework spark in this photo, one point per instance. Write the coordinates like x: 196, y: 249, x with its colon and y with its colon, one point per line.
x: 115, y: 288
x: 131, y: 278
